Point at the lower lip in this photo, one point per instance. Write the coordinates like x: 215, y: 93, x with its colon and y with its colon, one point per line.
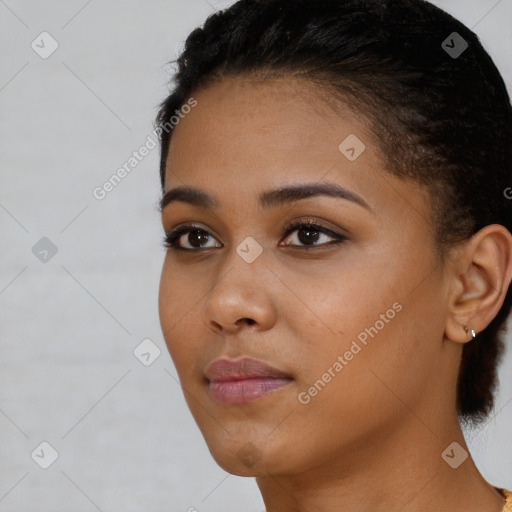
x: 245, y: 390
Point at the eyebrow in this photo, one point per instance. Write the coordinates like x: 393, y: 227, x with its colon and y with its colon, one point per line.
x: 268, y: 199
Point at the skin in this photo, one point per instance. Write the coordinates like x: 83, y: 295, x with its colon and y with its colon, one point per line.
x: 372, y: 438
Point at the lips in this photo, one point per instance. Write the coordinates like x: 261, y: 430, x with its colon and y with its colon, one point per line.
x: 245, y: 368
x: 243, y: 380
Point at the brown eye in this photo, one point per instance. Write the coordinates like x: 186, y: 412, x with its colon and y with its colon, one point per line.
x: 311, y: 235
x: 189, y: 238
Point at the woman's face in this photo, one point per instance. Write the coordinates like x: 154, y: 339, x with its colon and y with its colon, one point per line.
x: 349, y: 313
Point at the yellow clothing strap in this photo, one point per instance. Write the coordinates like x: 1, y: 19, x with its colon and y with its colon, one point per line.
x: 508, y: 503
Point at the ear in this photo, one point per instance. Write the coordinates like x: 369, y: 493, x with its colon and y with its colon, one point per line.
x: 481, y: 273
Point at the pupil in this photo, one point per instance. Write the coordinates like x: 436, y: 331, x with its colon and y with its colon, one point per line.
x: 196, y: 237
x: 311, y: 235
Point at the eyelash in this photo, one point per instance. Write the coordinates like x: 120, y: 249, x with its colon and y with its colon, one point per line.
x: 171, y: 239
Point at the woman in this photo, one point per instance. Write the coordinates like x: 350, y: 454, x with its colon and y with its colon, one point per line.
x: 336, y: 200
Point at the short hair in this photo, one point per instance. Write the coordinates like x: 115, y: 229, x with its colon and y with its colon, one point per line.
x: 440, y: 113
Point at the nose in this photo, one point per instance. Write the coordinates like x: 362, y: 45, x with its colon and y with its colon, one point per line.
x: 241, y: 296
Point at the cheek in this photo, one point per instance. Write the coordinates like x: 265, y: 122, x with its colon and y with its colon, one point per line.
x: 369, y: 342
x: 182, y: 289
x: 169, y: 308
x: 178, y: 300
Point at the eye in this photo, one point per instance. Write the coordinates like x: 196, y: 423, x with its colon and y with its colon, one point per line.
x: 308, y: 233
x: 189, y: 238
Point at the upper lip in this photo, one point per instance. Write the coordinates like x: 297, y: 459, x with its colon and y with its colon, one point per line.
x: 244, y: 368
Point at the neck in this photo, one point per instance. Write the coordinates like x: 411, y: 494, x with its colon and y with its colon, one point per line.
x: 378, y: 477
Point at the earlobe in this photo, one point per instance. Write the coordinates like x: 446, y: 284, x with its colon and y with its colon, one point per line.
x: 458, y: 331
x: 481, y: 278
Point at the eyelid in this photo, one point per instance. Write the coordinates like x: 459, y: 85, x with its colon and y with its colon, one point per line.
x: 310, y: 221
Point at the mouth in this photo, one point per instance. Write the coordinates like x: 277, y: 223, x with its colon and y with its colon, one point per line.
x: 243, y: 380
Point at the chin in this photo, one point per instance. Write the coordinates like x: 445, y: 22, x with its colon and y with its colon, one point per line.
x: 244, y: 457
x: 241, y: 463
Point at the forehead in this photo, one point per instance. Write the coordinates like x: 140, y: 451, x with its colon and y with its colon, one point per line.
x: 255, y: 128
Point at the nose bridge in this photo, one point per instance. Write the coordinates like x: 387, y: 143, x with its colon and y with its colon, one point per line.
x: 243, y: 265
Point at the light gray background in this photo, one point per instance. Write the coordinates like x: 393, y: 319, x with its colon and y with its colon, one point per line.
x: 124, y: 436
